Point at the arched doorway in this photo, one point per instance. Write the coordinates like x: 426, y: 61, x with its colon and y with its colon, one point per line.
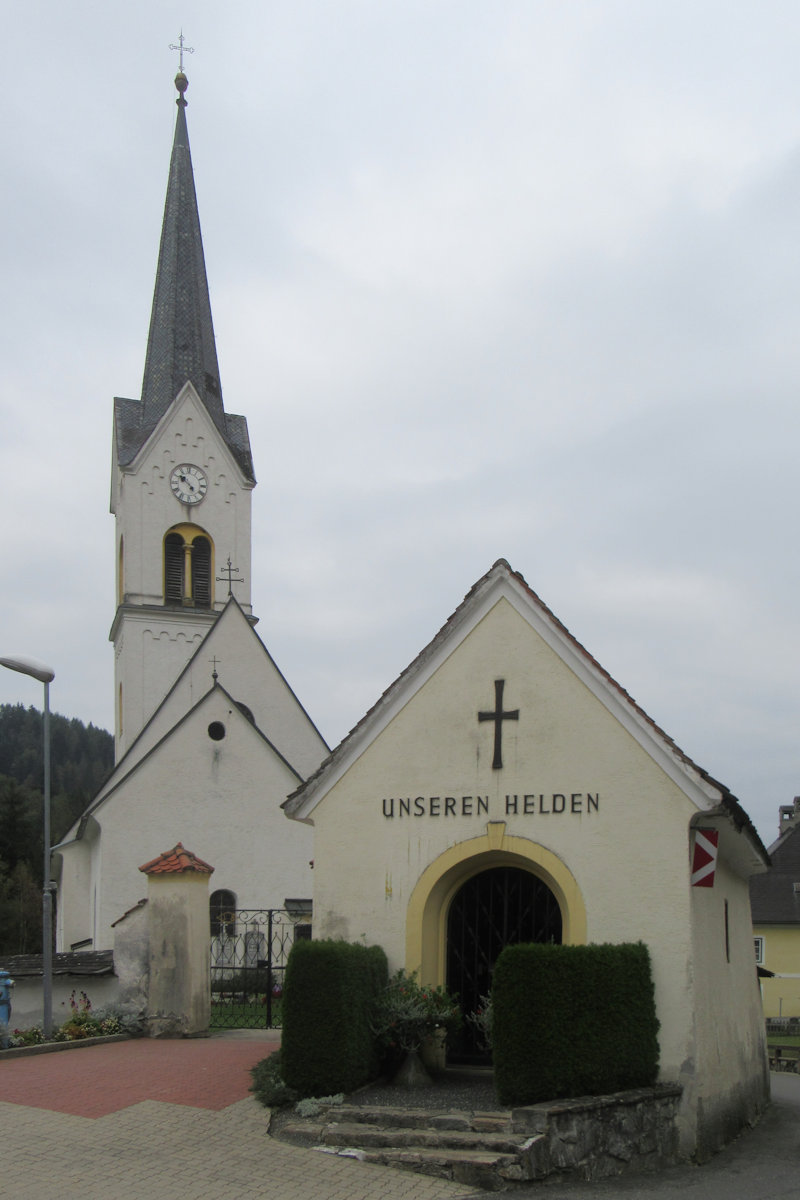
x: 494, y: 908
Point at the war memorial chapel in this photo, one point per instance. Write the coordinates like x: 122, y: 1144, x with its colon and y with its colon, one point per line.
x: 504, y: 788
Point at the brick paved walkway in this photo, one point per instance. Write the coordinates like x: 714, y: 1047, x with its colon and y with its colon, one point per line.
x: 172, y: 1118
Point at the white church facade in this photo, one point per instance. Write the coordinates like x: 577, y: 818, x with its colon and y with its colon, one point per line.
x: 504, y: 788
x: 209, y: 736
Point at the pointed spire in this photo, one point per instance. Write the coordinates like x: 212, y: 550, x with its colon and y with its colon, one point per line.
x: 181, y: 344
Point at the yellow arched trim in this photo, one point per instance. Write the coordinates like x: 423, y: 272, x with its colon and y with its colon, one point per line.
x: 190, y: 532
x: 426, y: 917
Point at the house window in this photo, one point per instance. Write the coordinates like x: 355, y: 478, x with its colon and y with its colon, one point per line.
x: 188, y: 567
x: 758, y: 942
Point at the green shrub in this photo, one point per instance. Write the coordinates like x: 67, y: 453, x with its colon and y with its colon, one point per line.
x: 268, y: 1084
x: 573, y: 1020
x: 329, y: 997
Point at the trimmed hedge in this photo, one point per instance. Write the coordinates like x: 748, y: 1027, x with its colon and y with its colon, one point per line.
x: 573, y: 1021
x: 329, y: 996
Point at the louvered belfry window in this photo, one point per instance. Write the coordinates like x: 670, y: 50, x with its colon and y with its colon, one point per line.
x: 173, y: 568
x: 188, y: 567
x: 201, y: 572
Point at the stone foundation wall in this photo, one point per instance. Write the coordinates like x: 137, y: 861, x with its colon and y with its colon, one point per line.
x: 594, y: 1137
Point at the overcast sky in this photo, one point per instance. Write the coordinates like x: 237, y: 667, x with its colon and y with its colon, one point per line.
x: 516, y: 279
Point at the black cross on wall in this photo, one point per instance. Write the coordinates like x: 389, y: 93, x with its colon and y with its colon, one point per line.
x: 498, y: 716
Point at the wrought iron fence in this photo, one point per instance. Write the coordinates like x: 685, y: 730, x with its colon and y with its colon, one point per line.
x: 249, y: 949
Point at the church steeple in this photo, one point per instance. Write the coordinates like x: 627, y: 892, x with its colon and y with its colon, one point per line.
x: 182, y: 474
x: 180, y: 345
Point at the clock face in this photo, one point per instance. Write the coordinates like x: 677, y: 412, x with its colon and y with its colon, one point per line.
x: 188, y: 483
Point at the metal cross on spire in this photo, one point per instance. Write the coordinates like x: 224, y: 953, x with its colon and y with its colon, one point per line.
x: 214, y: 662
x: 230, y: 572
x: 183, y: 49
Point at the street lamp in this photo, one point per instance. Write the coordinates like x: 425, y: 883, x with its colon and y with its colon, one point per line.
x: 46, y: 675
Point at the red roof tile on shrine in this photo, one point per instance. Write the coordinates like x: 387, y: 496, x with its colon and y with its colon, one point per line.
x: 176, y: 862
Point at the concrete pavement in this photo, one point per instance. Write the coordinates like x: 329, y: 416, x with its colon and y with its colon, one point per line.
x: 174, y: 1118
x: 170, y: 1118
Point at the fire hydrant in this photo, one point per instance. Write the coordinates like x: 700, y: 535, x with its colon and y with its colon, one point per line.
x: 6, y: 984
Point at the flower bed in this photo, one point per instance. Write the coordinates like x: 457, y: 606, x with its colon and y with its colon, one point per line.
x: 82, y: 1024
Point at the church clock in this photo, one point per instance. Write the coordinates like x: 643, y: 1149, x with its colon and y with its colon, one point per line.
x: 188, y: 483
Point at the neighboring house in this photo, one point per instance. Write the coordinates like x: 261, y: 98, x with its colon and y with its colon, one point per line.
x: 775, y: 906
x: 209, y: 736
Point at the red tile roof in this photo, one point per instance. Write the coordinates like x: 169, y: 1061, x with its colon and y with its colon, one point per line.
x: 177, y: 861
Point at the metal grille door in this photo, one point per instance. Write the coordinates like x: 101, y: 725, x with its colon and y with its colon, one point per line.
x: 496, y: 908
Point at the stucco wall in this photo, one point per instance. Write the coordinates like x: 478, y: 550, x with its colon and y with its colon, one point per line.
x: 727, y: 1075
x: 247, y: 671
x: 221, y: 798
x: 179, y: 997
x: 628, y: 855
x: 73, y: 871
x: 151, y: 652
x: 27, y: 998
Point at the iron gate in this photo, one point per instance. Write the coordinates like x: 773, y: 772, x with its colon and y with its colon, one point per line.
x: 498, y: 907
x: 249, y: 948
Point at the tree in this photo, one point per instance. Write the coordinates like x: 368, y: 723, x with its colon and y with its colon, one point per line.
x: 20, y: 911
x: 81, y: 757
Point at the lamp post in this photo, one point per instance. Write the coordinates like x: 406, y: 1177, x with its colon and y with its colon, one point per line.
x: 46, y: 675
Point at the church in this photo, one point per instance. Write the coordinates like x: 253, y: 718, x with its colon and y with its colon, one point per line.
x: 504, y: 788
x: 209, y: 736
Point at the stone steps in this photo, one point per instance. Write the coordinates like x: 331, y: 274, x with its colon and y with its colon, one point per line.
x: 344, y: 1134
x: 479, y: 1149
x: 590, y: 1137
x: 473, y: 1168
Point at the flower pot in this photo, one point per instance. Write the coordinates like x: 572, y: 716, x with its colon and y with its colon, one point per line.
x: 433, y: 1051
x: 412, y: 1073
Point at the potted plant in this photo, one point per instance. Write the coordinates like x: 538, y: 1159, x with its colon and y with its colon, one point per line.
x: 413, y: 1020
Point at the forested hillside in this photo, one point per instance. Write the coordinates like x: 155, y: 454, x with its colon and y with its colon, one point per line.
x: 81, y: 757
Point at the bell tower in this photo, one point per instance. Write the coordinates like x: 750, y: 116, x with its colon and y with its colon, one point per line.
x: 181, y: 476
